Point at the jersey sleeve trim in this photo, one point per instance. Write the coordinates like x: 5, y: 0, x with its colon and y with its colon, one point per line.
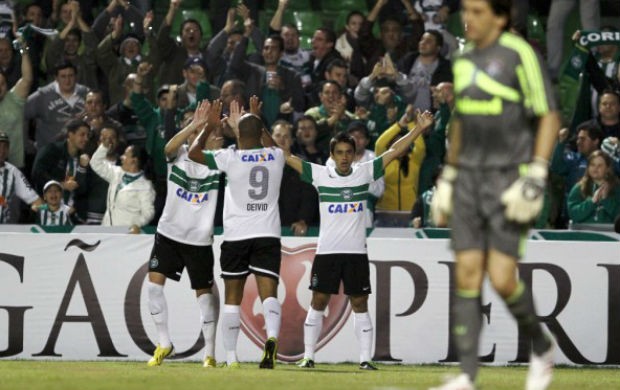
x: 532, y: 70
x: 377, y: 165
x: 306, y: 172
x: 210, y: 159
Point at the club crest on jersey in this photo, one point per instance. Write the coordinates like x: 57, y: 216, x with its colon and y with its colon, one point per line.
x: 193, y: 185
x: 257, y: 157
x: 344, y: 208
x: 347, y: 194
x: 192, y: 197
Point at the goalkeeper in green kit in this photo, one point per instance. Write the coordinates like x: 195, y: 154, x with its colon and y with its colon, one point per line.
x: 492, y: 187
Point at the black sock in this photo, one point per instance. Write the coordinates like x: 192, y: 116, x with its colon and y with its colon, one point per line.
x: 521, y: 305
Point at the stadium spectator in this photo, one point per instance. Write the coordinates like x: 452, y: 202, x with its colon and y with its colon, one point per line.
x: 104, y: 22
x: 122, y: 112
x: 349, y: 38
x: 341, y: 254
x: 435, y: 138
x: 9, y: 63
x: 91, y: 205
x: 12, y: 100
x: 305, y: 146
x: 95, y: 115
x: 331, y: 115
x: 338, y: 71
x: 61, y: 161
x: 66, y: 45
x: 54, y: 212
x: 323, y: 52
x: 596, y: 197
x: 298, y: 200
x: 293, y: 56
x: 221, y: 47
x: 279, y: 87
x: 608, y: 118
x: 402, y: 174
x: 130, y: 196
x: 251, y: 224
x: 194, y: 73
x: 117, y: 67
x: 184, y: 239
x: 53, y: 105
x: 381, y: 105
x: 418, y: 71
x: 558, y: 14
x: 13, y: 183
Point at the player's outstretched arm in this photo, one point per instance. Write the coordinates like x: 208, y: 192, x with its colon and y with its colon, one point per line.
x: 198, y: 122
x: 423, y: 121
x: 213, y: 122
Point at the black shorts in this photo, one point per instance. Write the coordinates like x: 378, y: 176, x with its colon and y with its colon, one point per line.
x: 169, y: 257
x: 350, y: 268
x: 260, y: 256
x: 478, y: 220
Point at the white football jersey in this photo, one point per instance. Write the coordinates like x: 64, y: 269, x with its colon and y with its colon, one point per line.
x: 253, y: 178
x: 342, y: 204
x: 190, y: 201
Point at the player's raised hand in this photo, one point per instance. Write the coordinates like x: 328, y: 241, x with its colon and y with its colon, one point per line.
x: 233, y: 117
x: 201, y: 115
x: 215, y: 113
x: 255, y: 105
x: 424, y: 119
x: 524, y: 198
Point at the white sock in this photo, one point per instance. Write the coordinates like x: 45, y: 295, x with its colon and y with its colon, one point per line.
x: 312, y: 330
x: 159, y: 312
x: 364, y: 332
x: 231, y: 323
x: 208, y: 322
x: 273, y: 315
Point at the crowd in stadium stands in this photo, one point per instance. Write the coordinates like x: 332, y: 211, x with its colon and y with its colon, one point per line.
x: 87, y: 85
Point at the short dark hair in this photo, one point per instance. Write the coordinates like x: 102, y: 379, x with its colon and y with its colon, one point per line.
x: 438, y: 37
x: 341, y: 137
x: 191, y: 20
x: 609, y: 91
x: 358, y: 126
x: 291, y: 26
x: 62, y: 65
x: 330, y: 35
x: 306, y: 118
x: 502, y: 8
x: 142, y: 155
x: 250, y: 127
x: 336, y: 63
x: 323, y: 83
x: 594, y: 131
x: 74, y: 125
x: 278, y: 39
x: 77, y: 32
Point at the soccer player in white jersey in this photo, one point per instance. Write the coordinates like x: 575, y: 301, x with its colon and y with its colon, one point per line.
x: 184, y: 237
x: 251, y: 226
x: 341, y: 251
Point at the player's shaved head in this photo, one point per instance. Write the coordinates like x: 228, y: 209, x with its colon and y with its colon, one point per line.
x: 250, y: 127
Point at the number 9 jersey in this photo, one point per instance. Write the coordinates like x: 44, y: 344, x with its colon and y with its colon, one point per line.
x: 252, y: 190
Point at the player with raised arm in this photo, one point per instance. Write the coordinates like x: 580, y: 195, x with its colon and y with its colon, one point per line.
x: 501, y: 137
x: 341, y: 251
x: 251, y: 226
x: 185, y: 235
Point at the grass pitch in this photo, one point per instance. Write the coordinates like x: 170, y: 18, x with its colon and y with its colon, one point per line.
x: 58, y: 375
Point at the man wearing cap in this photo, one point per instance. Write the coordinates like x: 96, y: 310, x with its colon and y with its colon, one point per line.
x: 12, y: 109
x: 13, y: 182
x: 117, y: 67
x: 195, y: 75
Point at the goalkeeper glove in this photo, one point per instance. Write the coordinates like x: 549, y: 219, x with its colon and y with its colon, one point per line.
x: 524, y: 198
x: 441, y: 205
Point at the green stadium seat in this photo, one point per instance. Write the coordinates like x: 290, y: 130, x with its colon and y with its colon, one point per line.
x: 200, y: 15
x: 293, y: 5
x: 264, y: 18
x: 305, y: 42
x: 340, y: 5
x: 307, y: 22
x: 455, y: 25
x: 535, y: 29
